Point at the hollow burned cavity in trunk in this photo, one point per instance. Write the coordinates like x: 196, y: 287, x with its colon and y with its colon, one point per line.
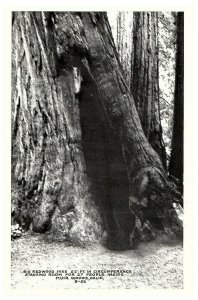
x: 105, y: 167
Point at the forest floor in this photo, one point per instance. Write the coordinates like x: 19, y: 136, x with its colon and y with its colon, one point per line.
x: 158, y: 264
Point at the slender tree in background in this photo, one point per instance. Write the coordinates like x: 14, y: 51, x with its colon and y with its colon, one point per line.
x: 124, y: 41
x: 145, y: 78
x: 167, y: 55
x: 80, y: 160
x: 176, y: 160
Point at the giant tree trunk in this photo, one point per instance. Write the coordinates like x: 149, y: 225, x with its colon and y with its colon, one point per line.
x: 50, y: 185
x: 145, y: 78
x: 176, y: 161
x: 81, y: 162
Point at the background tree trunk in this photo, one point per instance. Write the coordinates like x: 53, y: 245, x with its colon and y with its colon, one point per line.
x: 82, y: 154
x: 124, y: 42
x: 176, y: 160
x: 145, y: 78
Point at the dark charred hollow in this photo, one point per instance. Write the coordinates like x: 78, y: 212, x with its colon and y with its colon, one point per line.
x: 105, y: 168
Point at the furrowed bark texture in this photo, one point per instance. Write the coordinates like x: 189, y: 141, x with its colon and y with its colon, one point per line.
x: 176, y: 161
x: 82, y: 156
x: 50, y: 185
x: 124, y: 42
x: 145, y: 78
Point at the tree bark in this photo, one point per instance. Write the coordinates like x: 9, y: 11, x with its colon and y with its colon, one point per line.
x: 80, y: 158
x: 145, y: 78
x: 50, y: 185
x: 176, y: 160
x: 124, y: 42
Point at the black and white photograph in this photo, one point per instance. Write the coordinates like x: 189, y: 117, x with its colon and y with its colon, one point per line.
x: 97, y: 159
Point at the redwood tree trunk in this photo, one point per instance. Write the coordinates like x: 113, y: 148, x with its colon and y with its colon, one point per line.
x: 176, y: 160
x: 50, y: 185
x: 145, y: 78
x: 81, y: 161
x: 124, y: 42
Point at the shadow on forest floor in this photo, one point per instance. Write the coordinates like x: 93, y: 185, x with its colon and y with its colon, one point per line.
x: 152, y: 265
